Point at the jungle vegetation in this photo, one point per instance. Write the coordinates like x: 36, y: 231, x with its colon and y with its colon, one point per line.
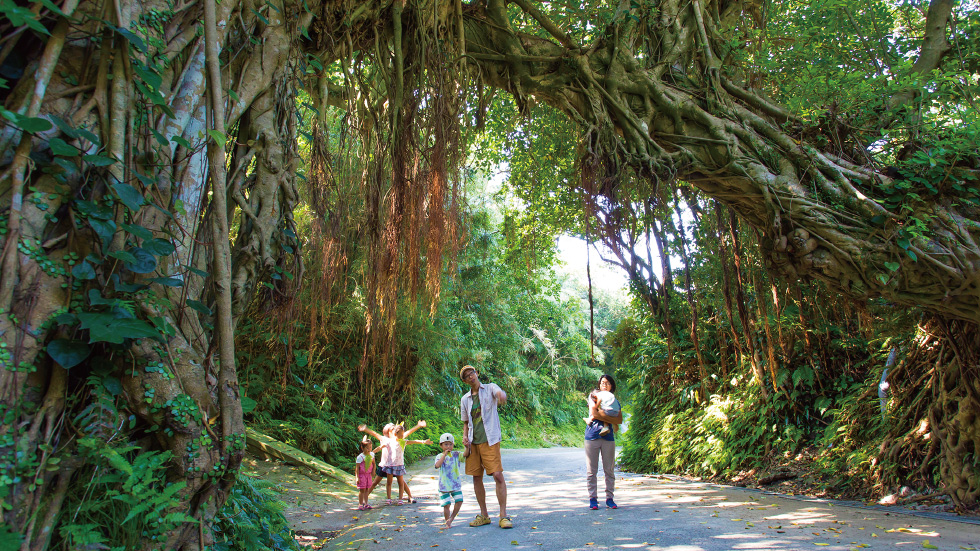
x: 213, y: 213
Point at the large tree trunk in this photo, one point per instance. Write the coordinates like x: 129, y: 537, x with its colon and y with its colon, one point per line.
x: 122, y: 226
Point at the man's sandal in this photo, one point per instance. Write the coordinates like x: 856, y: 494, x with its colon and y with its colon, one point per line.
x: 506, y: 523
x: 480, y: 520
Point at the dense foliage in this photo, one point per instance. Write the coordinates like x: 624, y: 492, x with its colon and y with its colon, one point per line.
x: 503, y: 310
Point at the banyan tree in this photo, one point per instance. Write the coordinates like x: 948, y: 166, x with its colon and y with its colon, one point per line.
x: 149, y: 157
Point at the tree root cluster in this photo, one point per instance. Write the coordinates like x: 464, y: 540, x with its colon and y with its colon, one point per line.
x: 934, y: 424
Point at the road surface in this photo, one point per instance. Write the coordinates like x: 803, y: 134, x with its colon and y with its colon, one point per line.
x: 548, y: 503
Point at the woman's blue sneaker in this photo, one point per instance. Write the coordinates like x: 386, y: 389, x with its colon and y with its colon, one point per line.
x: 593, y: 503
x: 611, y: 504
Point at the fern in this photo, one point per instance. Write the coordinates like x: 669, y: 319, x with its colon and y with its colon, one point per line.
x: 252, y: 519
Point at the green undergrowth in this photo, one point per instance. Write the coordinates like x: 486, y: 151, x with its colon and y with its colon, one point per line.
x: 307, y: 377
x: 252, y: 519
x: 118, y: 497
x: 733, y: 433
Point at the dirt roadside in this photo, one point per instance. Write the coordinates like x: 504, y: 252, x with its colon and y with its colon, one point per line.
x: 317, y: 508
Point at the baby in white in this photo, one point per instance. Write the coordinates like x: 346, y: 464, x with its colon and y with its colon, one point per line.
x: 608, y: 404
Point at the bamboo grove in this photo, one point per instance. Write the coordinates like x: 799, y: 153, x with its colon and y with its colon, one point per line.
x: 152, y: 171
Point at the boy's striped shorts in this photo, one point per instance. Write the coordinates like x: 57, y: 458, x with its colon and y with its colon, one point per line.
x: 448, y: 498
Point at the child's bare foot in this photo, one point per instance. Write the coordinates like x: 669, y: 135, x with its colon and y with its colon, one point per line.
x: 448, y: 524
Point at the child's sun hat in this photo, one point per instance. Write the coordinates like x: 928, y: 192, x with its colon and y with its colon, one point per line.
x: 446, y: 437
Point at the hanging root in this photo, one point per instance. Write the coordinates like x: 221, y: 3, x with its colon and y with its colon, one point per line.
x: 936, y: 425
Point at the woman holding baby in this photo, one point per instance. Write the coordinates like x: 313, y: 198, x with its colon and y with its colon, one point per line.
x: 605, y: 416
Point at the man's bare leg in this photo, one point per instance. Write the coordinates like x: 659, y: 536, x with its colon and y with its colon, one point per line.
x: 498, y: 478
x: 481, y: 494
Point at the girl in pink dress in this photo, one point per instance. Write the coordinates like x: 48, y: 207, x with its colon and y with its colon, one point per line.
x: 364, y: 469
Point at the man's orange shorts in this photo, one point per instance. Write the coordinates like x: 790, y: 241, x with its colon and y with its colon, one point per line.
x: 484, y: 457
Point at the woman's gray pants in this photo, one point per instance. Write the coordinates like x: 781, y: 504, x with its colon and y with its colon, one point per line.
x: 594, y: 448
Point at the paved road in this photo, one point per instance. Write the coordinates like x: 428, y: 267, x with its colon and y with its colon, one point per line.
x: 548, y: 505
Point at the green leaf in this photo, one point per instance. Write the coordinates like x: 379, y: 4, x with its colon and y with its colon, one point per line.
x: 195, y: 271
x: 218, y: 137
x: 68, y: 353
x: 68, y: 129
x: 892, y: 266
x: 95, y: 298
x: 261, y: 18
x: 104, y: 327
x: 167, y: 281
x: 9, y: 541
x: 94, y: 210
x: 83, y: 271
x: 66, y: 319
x: 248, y: 404
x: 179, y: 140
x: 199, y: 306
x: 112, y: 385
x: 882, y: 278
x: 145, y: 262
x: 138, y: 231
x: 159, y: 247
x: 904, y: 243
x: 911, y: 254
x: 144, y: 179
x: 159, y: 138
x: 89, y: 136
x: 51, y: 6
x: 98, y: 160
x: 32, y: 124
x: 63, y: 148
x: 136, y: 41
x: 125, y: 256
x: 132, y: 198
x: 104, y: 228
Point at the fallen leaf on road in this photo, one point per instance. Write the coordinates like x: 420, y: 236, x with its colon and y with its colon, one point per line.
x: 927, y: 545
x: 821, y: 544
